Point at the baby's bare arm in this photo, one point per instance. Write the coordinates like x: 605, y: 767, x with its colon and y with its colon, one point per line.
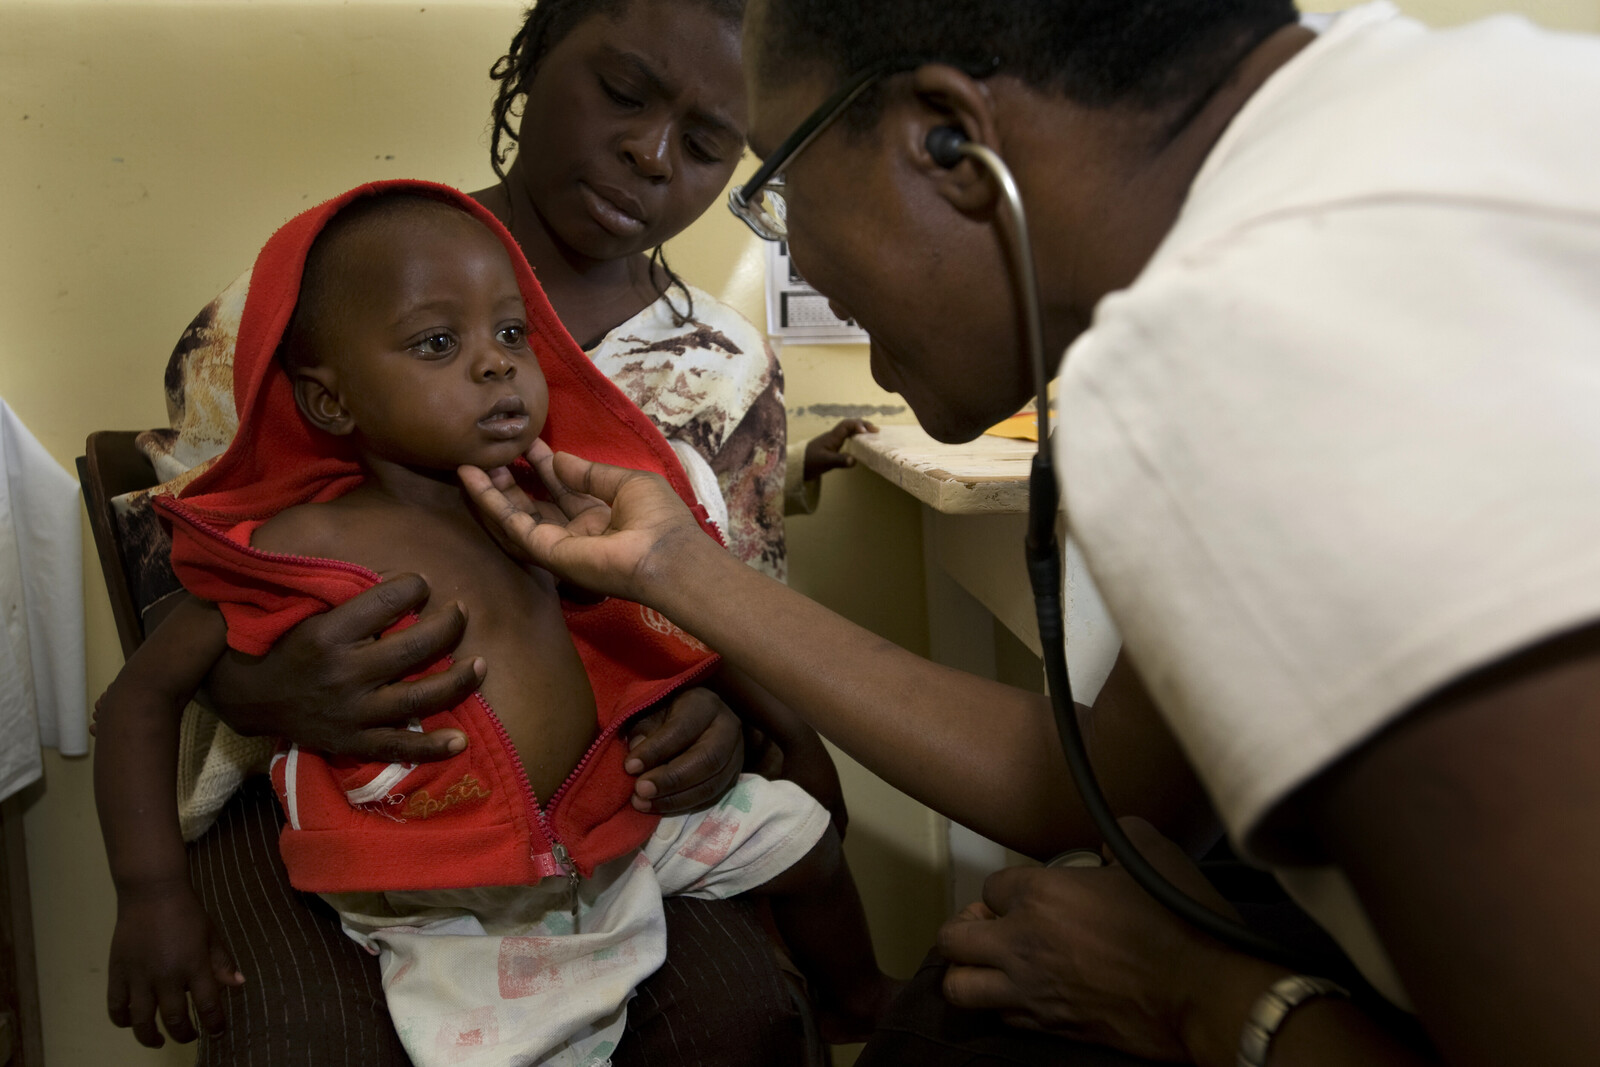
x: 165, y: 949
x: 137, y: 742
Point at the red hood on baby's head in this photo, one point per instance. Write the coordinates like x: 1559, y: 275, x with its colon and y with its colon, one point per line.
x: 276, y: 460
x: 634, y: 657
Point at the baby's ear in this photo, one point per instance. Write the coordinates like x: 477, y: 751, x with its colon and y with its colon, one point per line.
x: 316, y: 394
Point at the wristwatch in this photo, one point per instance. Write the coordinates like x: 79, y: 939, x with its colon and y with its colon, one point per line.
x: 1274, y: 1006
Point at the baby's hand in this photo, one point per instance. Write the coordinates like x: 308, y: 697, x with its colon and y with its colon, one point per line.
x: 822, y: 451
x: 166, y: 952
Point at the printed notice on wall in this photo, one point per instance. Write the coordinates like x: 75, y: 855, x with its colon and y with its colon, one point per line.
x: 796, y: 312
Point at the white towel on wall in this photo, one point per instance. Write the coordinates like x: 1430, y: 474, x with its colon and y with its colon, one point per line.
x: 42, y: 699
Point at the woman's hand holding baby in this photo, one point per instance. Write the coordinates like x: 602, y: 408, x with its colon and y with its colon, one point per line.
x: 685, y: 755
x: 328, y: 685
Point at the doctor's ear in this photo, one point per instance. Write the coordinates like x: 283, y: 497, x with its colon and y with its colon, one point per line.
x: 957, y: 109
x: 316, y: 394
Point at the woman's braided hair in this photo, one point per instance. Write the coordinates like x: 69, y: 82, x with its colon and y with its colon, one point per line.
x: 547, y: 23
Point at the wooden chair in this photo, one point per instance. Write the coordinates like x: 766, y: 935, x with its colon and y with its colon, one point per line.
x: 110, y: 466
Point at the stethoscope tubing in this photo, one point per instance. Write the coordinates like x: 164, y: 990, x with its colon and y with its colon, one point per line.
x: 1043, y: 556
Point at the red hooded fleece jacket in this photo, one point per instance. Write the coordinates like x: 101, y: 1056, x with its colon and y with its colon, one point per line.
x: 471, y: 820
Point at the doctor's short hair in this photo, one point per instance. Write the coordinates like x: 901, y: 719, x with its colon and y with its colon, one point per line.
x: 1148, y: 54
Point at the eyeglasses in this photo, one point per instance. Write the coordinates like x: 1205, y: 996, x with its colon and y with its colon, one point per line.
x: 759, y: 201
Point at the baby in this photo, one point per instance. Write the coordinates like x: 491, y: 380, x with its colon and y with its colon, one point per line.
x: 512, y: 892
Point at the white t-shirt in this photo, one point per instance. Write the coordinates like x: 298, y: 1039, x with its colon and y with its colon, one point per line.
x: 1340, y: 442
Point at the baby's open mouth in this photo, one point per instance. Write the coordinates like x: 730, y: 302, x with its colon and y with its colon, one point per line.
x: 507, y: 418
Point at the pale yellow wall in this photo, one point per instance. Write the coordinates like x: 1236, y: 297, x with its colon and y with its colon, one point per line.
x: 149, y: 149
x: 1556, y: 14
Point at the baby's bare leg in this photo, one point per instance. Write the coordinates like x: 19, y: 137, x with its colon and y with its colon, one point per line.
x: 818, y: 912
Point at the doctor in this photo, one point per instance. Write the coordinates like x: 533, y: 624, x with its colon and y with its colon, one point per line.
x: 1330, y: 305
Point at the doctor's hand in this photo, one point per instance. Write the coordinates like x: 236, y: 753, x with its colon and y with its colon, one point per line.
x: 332, y: 684
x: 605, y: 528
x: 1087, y: 954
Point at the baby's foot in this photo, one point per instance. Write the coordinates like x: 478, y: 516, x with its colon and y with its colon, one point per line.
x: 852, y: 1016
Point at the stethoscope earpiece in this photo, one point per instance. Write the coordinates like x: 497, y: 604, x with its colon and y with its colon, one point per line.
x: 944, y: 145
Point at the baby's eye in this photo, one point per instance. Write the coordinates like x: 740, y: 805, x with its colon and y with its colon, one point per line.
x: 435, y: 345
x: 513, y: 336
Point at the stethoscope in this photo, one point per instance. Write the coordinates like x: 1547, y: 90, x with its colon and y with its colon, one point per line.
x: 949, y: 146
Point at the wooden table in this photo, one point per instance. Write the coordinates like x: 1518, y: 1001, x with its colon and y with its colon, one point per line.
x: 974, y: 519
x: 988, y: 476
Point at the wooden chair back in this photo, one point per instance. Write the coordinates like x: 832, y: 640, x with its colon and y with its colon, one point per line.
x: 110, y: 466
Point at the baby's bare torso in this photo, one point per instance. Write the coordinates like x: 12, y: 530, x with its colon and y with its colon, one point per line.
x: 536, y: 683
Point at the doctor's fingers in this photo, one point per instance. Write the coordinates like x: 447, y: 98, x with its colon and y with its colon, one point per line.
x: 981, y: 989
x: 1020, y: 888
x: 568, y: 498
x: 512, y: 526
x: 978, y: 937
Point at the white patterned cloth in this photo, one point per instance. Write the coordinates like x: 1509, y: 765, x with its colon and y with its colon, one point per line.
x: 41, y: 608
x: 713, y: 387
x: 504, y: 976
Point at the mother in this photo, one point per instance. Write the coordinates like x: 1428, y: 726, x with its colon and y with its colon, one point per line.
x: 631, y: 123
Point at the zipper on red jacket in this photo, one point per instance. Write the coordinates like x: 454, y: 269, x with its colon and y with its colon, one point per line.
x: 558, y: 851
x: 530, y: 800
x: 564, y: 858
x: 541, y: 813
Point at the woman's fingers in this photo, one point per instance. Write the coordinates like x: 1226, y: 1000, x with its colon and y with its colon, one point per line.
x: 142, y: 1016
x: 371, y: 611
x: 398, y: 654
x: 690, y: 758
x: 393, y: 744
x: 119, y: 997
x: 208, y: 1009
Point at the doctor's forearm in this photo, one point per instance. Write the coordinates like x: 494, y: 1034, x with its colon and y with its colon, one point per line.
x: 983, y: 753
